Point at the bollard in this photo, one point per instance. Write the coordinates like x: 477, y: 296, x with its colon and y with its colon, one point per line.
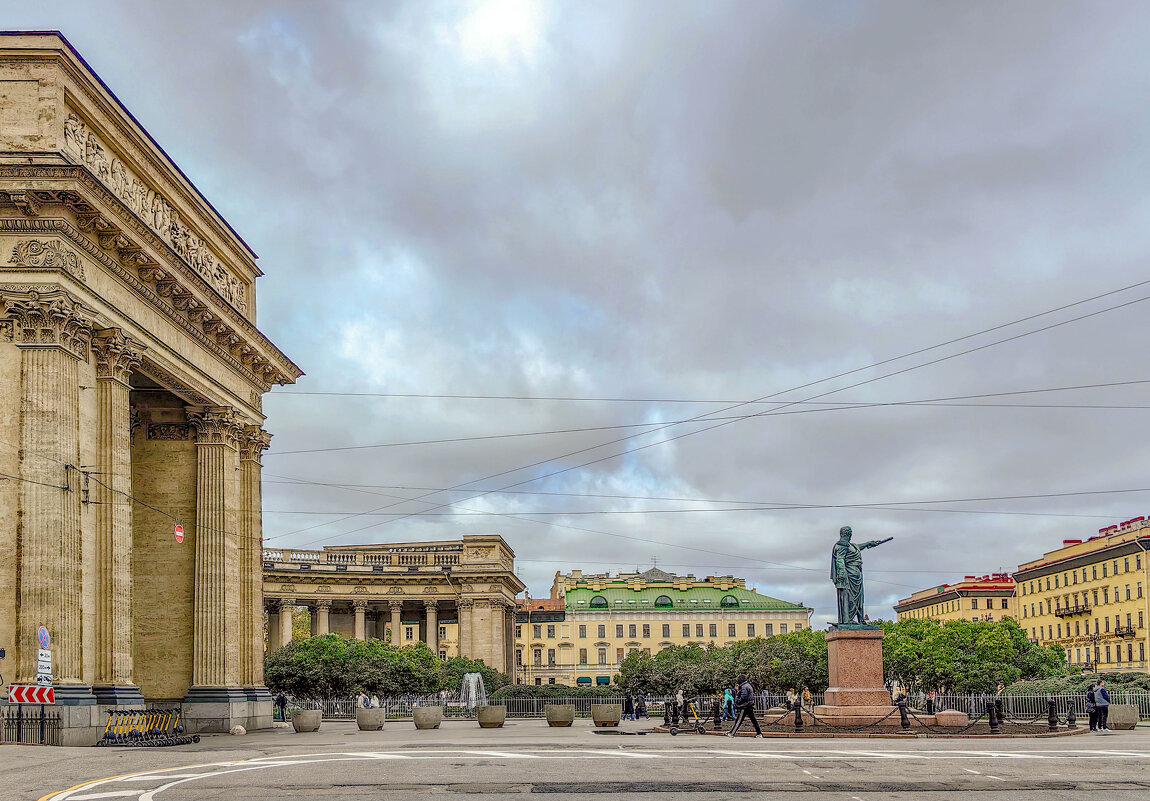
x: 992, y: 713
x: 674, y: 714
x: 1051, y: 715
x: 718, y: 712
x: 930, y: 706
x: 902, y: 714
x: 1071, y: 720
x: 667, y: 715
x: 798, y: 714
x: 998, y: 709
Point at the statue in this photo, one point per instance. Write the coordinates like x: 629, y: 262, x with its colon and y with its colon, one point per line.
x: 846, y: 573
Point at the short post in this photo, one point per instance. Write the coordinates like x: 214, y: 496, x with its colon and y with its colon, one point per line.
x: 798, y: 714
x: 675, y: 713
x: 903, y: 718
x: 930, y: 705
x: 1051, y: 714
x: 998, y: 708
x: 1071, y: 719
x: 718, y: 713
x: 992, y: 713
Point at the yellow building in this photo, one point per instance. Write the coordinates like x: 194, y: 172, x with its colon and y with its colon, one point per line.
x: 605, y: 618
x: 1090, y: 598
x: 990, y: 597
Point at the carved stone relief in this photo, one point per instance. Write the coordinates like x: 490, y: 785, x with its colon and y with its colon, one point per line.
x: 154, y: 209
x: 169, y: 431
x: 46, y: 253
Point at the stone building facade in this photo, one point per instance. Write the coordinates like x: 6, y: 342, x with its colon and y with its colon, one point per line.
x: 987, y: 598
x: 133, y: 373
x: 456, y: 596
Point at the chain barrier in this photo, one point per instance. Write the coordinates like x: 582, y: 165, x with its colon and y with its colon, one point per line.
x: 820, y: 722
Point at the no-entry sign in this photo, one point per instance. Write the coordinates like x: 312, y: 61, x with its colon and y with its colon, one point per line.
x: 178, y: 533
x: 31, y: 694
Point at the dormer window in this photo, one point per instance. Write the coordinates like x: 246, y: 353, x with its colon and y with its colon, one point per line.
x: 729, y: 601
x: 598, y: 602
x: 663, y: 601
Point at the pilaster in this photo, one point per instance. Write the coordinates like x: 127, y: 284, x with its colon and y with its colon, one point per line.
x: 466, y: 645
x: 253, y: 442
x: 432, y: 608
x: 322, y: 609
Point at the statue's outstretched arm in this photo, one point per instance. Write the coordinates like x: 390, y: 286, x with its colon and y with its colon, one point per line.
x: 874, y: 543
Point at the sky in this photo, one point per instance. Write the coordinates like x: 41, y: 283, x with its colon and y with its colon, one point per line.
x: 680, y: 207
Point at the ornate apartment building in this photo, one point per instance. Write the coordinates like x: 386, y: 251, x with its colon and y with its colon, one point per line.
x: 133, y: 375
x: 990, y: 597
x: 456, y: 596
x: 1090, y: 597
x: 592, y: 622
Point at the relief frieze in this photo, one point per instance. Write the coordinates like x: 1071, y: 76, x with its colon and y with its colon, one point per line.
x: 46, y: 253
x: 154, y: 209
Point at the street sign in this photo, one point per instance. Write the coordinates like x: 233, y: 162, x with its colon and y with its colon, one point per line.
x: 178, y: 533
x: 30, y: 694
x: 44, y: 667
x: 42, y: 637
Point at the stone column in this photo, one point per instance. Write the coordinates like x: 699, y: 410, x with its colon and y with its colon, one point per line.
x: 360, y: 612
x: 217, y: 575
x: 52, y: 330
x: 322, y: 608
x: 111, y: 489
x: 432, y: 608
x: 465, y: 642
x: 509, y: 639
x: 396, y: 621
x: 273, y: 626
x: 252, y: 445
x: 287, y: 606
x: 498, y: 617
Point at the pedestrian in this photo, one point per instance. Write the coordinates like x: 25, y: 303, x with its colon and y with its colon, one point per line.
x: 728, y: 704
x: 930, y: 703
x: 641, y: 706
x: 374, y: 703
x: 628, y: 707
x: 281, y: 705
x: 1102, y: 701
x: 680, y: 706
x: 807, y: 698
x: 745, y: 705
x: 792, y: 696
x: 1092, y: 707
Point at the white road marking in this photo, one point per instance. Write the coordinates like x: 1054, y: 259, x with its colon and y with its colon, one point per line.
x: 111, y: 794
x: 995, y: 777
x: 975, y: 772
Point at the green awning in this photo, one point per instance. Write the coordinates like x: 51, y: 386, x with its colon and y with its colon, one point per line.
x: 583, y: 680
x: 602, y: 679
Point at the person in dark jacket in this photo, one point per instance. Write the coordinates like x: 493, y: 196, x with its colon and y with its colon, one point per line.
x: 628, y: 707
x: 1102, y: 701
x: 281, y: 705
x: 641, y: 706
x: 745, y: 707
x: 1091, y: 708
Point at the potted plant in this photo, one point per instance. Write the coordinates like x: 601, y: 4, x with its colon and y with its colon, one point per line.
x: 559, y: 714
x: 305, y: 720
x: 491, y: 717
x: 606, y: 715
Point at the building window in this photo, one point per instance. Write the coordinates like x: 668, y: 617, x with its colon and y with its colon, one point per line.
x: 798, y: 627
x: 663, y: 602
x: 1138, y: 590
x: 602, y: 656
x: 1105, y: 595
x: 537, y: 654
x: 407, y: 632
x: 1107, y: 647
x: 443, y: 655
x: 632, y: 630
x: 768, y: 630
x: 666, y: 629
x: 1104, y: 576
x: 782, y: 628
x: 973, y: 603
x: 1137, y: 561
x: 646, y: 630
x: 750, y: 629
x: 1060, y: 630
x: 1139, y: 618
x: 618, y: 655
x: 1127, y: 592
x: 443, y: 632
x: 582, y: 656
x: 519, y: 657
x: 582, y: 631
x: 698, y: 629
x: 1107, y: 619
x: 551, y: 680
x: 537, y: 631
x: 713, y: 630
x: 1076, y: 632
x: 618, y: 629
x: 686, y: 629
x: 1126, y: 565
x: 551, y: 657
x: 730, y: 629
x: 729, y: 601
x: 519, y: 632
x: 602, y: 631
x: 551, y: 632
x: 1005, y: 603
x: 598, y: 602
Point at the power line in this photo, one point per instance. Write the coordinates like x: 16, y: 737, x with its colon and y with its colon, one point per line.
x: 702, y: 418
x: 586, y: 512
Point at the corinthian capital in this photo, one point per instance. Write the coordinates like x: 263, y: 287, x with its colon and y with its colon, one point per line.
x: 49, y: 319
x: 116, y: 355
x: 253, y: 443
x: 215, y: 425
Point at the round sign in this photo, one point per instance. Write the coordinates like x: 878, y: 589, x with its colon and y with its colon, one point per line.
x: 42, y: 637
x: 178, y: 533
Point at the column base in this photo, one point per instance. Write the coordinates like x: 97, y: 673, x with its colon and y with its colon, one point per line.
x: 74, y: 695
x: 118, y: 695
x: 261, y: 707
x: 217, y: 709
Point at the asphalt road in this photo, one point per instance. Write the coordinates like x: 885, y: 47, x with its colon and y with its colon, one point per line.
x: 525, y: 757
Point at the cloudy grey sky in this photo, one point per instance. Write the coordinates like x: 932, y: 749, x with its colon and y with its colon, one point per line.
x: 676, y: 201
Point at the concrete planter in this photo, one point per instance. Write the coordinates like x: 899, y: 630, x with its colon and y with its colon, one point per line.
x: 559, y: 714
x: 303, y: 720
x: 1122, y: 717
x: 606, y: 715
x: 491, y: 717
x: 427, y: 717
x: 369, y: 719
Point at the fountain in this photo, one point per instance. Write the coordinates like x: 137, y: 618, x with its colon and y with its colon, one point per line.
x: 472, y: 693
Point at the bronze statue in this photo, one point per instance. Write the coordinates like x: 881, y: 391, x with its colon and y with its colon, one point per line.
x: 847, y: 574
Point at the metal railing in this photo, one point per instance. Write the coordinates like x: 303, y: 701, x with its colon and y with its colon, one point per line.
x: 30, y: 725
x: 1026, y: 707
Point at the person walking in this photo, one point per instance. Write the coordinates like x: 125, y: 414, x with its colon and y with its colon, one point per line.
x: 641, y: 706
x: 807, y: 698
x: 1102, y: 701
x: 792, y: 696
x: 628, y: 707
x: 728, y: 704
x: 281, y: 705
x: 745, y: 706
x: 1091, y: 707
x: 374, y: 702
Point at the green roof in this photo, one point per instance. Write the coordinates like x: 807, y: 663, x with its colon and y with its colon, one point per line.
x: 620, y: 596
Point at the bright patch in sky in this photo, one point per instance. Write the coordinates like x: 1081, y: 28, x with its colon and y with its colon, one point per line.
x: 501, y: 30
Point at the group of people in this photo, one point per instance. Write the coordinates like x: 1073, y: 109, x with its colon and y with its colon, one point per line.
x: 635, y: 706
x: 367, y: 701
x: 1098, y: 705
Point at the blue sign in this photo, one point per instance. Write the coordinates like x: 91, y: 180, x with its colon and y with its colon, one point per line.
x: 42, y: 637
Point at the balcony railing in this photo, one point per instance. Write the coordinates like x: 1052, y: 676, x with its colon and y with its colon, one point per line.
x: 1070, y: 611
x: 400, y: 558
x: 1124, y: 631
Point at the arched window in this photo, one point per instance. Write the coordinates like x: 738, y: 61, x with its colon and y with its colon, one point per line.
x: 729, y: 600
x: 598, y: 602
x: 663, y: 601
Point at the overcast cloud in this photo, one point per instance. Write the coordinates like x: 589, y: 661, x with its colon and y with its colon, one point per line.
x: 675, y: 200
